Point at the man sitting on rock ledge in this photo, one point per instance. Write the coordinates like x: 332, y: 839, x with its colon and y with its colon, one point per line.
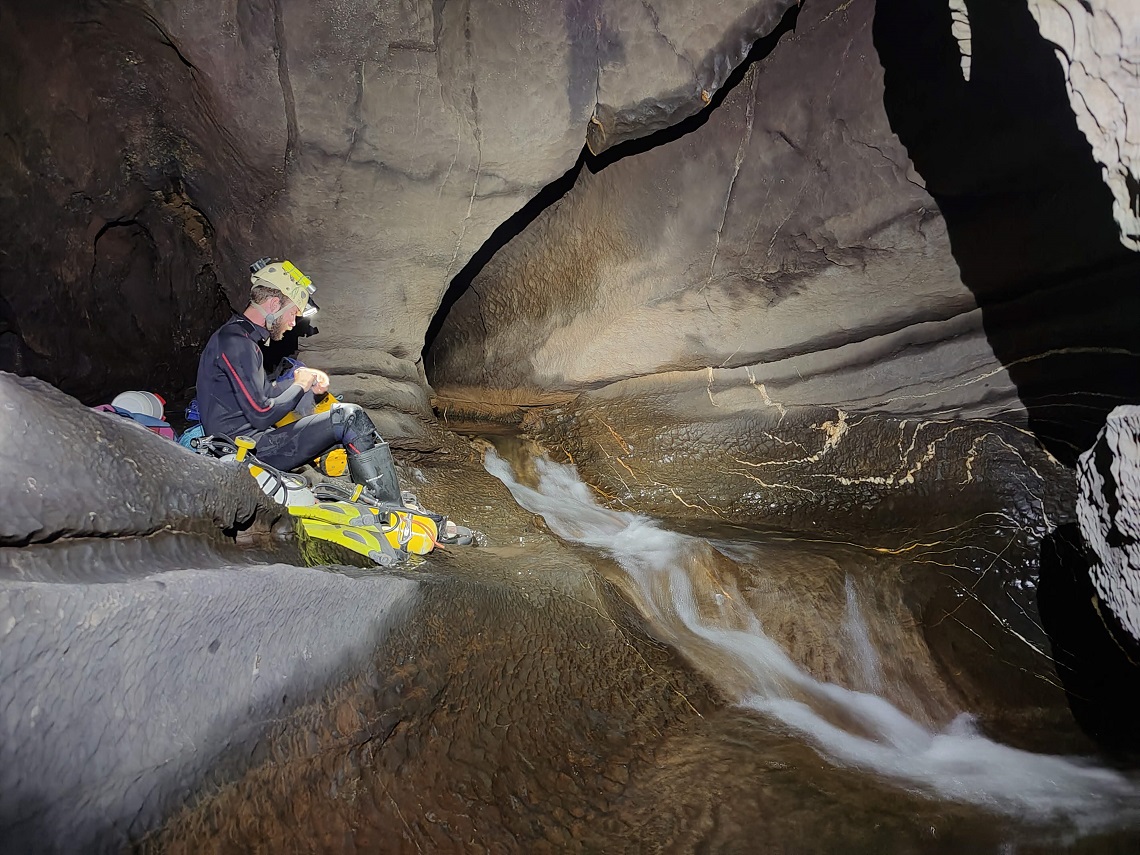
x: 236, y: 398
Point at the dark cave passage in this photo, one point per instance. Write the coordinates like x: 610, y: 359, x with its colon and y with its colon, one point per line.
x: 121, y: 211
x: 1029, y: 217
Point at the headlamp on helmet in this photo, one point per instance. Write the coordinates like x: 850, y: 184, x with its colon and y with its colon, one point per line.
x: 284, y: 276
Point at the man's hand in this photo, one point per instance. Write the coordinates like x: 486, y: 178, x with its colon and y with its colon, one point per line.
x: 321, y: 383
x: 306, y: 378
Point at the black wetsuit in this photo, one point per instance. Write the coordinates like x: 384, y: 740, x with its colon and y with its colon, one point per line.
x: 236, y: 398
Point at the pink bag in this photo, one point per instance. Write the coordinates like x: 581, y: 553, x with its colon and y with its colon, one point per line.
x: 158, y: 426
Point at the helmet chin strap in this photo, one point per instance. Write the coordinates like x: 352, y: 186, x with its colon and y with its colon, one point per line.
x: 270, y: 318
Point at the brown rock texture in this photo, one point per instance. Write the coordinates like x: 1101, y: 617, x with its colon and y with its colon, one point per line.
x: 856, y: 225
x: 376, y: 146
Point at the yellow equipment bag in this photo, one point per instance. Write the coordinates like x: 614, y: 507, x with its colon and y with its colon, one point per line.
x: 322, y: 406
x: 404, y: 529
x: 333, y: 462
x: 422, y: 532
x: 365, y: 541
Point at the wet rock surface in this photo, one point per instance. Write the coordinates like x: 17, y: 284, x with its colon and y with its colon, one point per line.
x: 506, y: 717
x: 510, y: 694
x: 745, y: 343
x: 495, y: 717
x: 823, y: 470
x: 952, y: 512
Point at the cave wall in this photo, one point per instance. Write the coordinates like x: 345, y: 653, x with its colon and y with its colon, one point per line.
x: 1029, y: 216
x: 376, y: 145
x: 856, y: 211
x: 116, y: 207
x: 856, y: 225
x: 788, y: 231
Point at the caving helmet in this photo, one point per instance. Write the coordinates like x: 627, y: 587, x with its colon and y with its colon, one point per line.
x: 284, y: 276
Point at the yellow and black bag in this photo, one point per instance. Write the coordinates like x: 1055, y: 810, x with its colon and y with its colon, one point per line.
x: 403, y: 529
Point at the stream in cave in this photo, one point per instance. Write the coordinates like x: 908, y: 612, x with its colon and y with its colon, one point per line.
x: 880, y: 711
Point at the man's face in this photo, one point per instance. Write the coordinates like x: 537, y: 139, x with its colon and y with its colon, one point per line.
x: 286, y: 321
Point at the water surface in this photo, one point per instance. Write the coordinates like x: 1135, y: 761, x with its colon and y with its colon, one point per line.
x: 859, y: 692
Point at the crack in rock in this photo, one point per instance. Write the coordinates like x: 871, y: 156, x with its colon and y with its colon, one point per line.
x: 280, y: 51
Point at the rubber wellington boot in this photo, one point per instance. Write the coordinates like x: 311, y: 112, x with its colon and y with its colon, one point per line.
x: 375, y: 470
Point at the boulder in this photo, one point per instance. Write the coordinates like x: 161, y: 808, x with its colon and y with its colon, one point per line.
x: 1108, y: 509
x: 71, y: 472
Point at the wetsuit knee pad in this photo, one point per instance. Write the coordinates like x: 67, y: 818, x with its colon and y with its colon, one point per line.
x: 353, y: 426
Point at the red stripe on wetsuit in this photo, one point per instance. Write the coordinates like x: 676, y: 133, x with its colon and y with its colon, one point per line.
x: 244, y: 390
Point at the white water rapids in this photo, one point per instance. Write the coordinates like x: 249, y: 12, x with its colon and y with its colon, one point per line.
x: 851, y: 728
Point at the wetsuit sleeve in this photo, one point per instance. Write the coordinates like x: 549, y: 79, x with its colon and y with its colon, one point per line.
x: 262, y: 405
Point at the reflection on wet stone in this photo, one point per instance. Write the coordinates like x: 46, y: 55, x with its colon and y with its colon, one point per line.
x: 790, y: 320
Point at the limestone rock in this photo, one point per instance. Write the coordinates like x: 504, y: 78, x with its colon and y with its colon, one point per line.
x: 962, y: 34
x: 1098, y: 46
x: 1108, y: 508
x: 854, y: 226
x: 68, y: 471
x: 125, y: 697
x: 768, y: 237
x: 378, y: 146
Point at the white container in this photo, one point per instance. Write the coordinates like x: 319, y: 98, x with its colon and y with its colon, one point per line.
x: 144, y: 403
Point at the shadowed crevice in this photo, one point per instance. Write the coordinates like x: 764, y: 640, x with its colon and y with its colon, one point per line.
x: 553, y: 192
x: 1027, y: 212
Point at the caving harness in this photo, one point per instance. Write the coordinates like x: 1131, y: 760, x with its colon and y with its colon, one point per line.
x: 373, y: 516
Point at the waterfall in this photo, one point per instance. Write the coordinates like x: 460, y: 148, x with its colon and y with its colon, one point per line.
x: 859, y: 643
x: 674, y: 579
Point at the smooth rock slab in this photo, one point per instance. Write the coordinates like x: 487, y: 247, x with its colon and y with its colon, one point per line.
x: 69, y: 471
x: 118, y: 700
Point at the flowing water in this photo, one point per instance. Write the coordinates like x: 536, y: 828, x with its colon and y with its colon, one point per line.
x: 858, y: 637
x: 691, y: 593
